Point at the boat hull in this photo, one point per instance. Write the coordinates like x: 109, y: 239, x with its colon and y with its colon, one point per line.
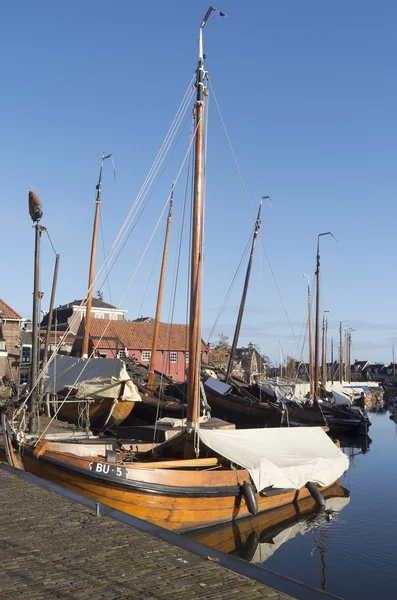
x: 99, y: 412
x: 161, y: 496
x: 243, y: 412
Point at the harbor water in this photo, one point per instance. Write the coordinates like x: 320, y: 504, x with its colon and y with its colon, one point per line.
x: 349, y: 551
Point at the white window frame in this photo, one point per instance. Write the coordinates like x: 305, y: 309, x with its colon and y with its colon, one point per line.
x: 173, y: 357
x: 99, y: 315
x: 146, y: 355
x: 187, y: 356
x: 123, y: 353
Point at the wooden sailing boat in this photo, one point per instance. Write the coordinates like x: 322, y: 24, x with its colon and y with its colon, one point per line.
x: 197, y: 478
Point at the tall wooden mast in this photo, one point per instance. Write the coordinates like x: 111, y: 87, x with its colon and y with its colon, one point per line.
x: 340, y: 354
x: 160, y: 294
x: 92, y: 261
x: 310, y: 321
x: 317, y: 334
x: 323, y: 377
x: 243, y: 297
x: 197, y: 237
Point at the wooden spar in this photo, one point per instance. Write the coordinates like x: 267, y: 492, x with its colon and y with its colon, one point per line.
x: 92, y: 265
x: 36, y: 214
x: 196, y: 257
x: 160, y: 295
x: 332, y: 359
x: 317, y: 341
x: 47, y: 335
x: 243, y: 298
x: 309, y: 313
x: 340, y: 353
x: 394, y: 369
x: 317, y: 335
x: 323, y: 377
x: 325, y: 373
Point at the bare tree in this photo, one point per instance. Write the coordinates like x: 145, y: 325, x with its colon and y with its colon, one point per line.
x: 219, y: 352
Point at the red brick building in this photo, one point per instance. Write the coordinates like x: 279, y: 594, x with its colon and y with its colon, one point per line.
x: 133, y: 339
x: 10, y: 332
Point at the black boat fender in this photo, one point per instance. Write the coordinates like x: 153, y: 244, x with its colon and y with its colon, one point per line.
x: 316, y: 494
x: 249, y: 494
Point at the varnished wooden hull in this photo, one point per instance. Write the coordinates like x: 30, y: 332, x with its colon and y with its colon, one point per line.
x: 99, y: 413
x: 177, y: 499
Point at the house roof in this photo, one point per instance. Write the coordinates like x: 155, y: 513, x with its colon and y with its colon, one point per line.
x: 138, y: 335
x: 96, y: 303
x: 8, y: 312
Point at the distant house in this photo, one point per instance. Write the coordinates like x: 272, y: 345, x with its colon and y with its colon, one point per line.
x: 10, y: 323
x: 249, y: 362
x: 71, y: 314
x: 133, y: 339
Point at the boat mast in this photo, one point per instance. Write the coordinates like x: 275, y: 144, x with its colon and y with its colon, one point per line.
x: 243, y: 297
x: 92, y: 262
x: 197, y: 236
x: 323, y: 378
x: 160, y: 294
x: 35, y: 214
x: 340, y: 354
x: 309, y: 317
x: 317, y: 339
x: 394, y: 369
x: 50, y: 312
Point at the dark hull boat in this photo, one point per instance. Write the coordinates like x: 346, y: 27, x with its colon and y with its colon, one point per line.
x: 236, y: 405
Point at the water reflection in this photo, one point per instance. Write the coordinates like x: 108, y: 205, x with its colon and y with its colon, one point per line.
x: 256, y: 539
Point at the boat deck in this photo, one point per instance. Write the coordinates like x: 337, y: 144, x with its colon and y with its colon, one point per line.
x: 53, y: 547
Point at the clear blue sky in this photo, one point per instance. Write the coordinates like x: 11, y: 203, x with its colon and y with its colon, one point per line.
x: 308, y: 94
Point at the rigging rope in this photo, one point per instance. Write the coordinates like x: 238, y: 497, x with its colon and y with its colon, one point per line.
x: 135, y: 207
x: 253, y: 214
x: 127, y: 287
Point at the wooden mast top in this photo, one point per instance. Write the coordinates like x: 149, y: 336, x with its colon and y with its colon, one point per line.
x: 193, y: 378
x: 92, y: 261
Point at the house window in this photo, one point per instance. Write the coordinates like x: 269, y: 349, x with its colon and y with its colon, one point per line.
x: 24, y: 377
x: 102, y: 354
x: 187, y: 356
x: 173, y: 357
x: 99, y: 315
x: 26, y: 353
x: 123, y: 353
x: 2, y: 344
x: 145, y: 355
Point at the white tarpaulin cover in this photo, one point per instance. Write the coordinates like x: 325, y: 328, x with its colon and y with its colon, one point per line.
x: 281, y: 457
x: 101, y: 378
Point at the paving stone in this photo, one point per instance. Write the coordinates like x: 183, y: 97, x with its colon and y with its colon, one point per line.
x: 54, y: 548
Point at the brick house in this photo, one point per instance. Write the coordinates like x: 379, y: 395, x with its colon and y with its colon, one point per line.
x: 10, y: 331
x: 71, y: 314
x: 133, y: 339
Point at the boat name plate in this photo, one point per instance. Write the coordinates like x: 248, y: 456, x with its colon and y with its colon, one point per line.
x: 106, y: 469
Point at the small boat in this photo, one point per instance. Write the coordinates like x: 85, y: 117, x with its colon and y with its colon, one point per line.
x: 98, y: 393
